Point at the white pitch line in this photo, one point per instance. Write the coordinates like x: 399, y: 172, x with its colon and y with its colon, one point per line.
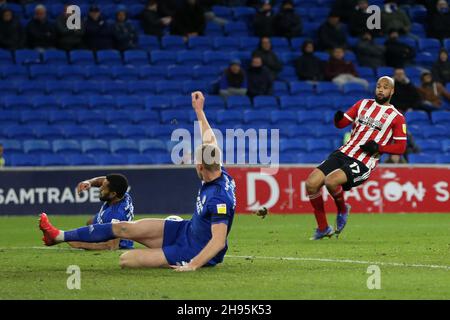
x: 392, y: 264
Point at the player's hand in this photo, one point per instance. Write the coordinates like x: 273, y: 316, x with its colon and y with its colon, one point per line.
x: 83, y: 185
x: 198, y: 101
x: 184, y: 267
x: 371, y: 147
x: 338, y: 116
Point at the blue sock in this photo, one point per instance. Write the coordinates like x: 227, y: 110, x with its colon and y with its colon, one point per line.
x: 92, y: 233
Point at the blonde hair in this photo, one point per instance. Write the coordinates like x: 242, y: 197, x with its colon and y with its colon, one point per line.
x: 209, y: 156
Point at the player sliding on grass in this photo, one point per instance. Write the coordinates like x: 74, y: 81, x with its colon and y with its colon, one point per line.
x: 183, y: 245
x: 118, y: 206
x: 377, y: 127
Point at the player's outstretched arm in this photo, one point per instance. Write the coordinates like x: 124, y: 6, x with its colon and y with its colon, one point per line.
x: 217, y: 243
x: 198, y: 103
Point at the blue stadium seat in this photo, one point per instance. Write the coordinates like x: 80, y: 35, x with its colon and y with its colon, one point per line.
x: 172, y: 43
x: 126, y: 73
x: 62, y: 117
x: 319, y: 145
x: 48, y: 132
x: 353, y: 88
x: 283, y: 118
x: 135, y: 57
x: 421, y: 158
x: 238, y: 102
x: 98, y: 102
x: 248, y: 43
x: 443, y: 158
x: 299, y: 87
x: 153, y: 72
x: 190, y: 57
x: 217, y: 58
x: 446, y: 145
x: 256, y: 117
x: 417, y: 131
x: 280, y: 44
x: 429, y: 45
x: 195, y: 85
x: 292, y: 145
x: 429, y: 145
x: 14, y: 72
x: 130, y: 102
x: 150, y: 146
x: 288, y: 58
x: 11, y: 146
x: 168, y: 87
x: 8, y: 88
x: 6, y: 57
x: 174, y: 117
x: 213, y: 29
x: 289, y: 158
x: 27, y: 56
x: 45, y: 103
x: 313, y: 158
x: 328, y: 132
x: 320, y: 102
x: 148, y: 42
x: 223, y: 11
x: 318, y: 13
x: 236, y: 29
x: 417, y: 118
x: 114, y: 88
x: 308, y: 117
x: 145, y: 117
x: 119, y: 117
x: 80, y: 160
x: 90, y: 117
x: 160, y: 131
x: 179, y: 72
x: 82, y: 57
x: 99, y: 73
x: 141, y: 87
x: 34, y: 117
x: 43, y: 72
x: 133, y: 132
x: 295, y: 103
x: 265, y: 102
x: 59, y: 87
x: 124, y: 146
x: 66, y: 147
x: 93, y: 146
x: 226, y: 43
x: 243, y: 13
x: 19, y: 132
x: 436, y: 132
x: 74, y: 102
x: 9, y: 117
x: 36, y: 146
x: 72, y: 72
x: 106, y: 132
x: 200, y: 43
x: 78, y: 132
x: 288, y: 74
x: 54, y: 57
x: 17, y: 103
x: 163, y: 58
x: 207, y: 73
x: 109, y: 57
x: 22, y: 160
x: 111, y: 159
x: 280, y: 88
x: 158, y: 102
x: 327, y: 88
x: 229, y: 116
x: 139, y: 159
x: 181, y: 102
x: 441, y: 117
x: 32, y: 87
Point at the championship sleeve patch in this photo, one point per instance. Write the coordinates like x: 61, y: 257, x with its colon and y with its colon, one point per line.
x: 222, y: 208
x: 404, y: 128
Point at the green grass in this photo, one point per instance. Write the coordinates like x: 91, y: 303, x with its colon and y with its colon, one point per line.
x: 29, y: 273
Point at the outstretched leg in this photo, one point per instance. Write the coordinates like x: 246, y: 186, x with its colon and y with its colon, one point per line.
x: 149, y: 232
x: 314, y: 185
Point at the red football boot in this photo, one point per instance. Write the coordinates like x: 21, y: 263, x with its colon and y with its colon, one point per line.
x: 50, y: 232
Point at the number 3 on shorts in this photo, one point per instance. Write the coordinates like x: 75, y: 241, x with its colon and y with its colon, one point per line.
x: 355, y: 168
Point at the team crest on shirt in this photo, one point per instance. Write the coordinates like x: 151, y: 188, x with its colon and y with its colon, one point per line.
x: 385, y: 115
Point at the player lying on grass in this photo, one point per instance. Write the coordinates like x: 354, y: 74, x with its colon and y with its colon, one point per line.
x: 117, y: 206
x: 377, y: 127
x: 184, y: 245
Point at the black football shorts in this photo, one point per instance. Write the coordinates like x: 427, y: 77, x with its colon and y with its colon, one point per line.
x: 356, y: 171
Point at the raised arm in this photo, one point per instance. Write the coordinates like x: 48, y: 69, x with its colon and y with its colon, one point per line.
x: 87, y: 184
x: 198, y: 103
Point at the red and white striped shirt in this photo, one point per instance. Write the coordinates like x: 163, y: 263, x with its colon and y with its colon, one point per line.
x: 372, y: 121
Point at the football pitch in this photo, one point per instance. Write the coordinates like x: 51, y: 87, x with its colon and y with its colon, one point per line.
x: 268, y: 258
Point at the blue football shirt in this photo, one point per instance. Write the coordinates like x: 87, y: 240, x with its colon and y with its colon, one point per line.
x: 216, y: 203
x: 120, y: 211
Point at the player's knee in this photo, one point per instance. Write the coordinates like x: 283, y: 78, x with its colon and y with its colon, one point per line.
x: 313, y: 185
x: 120, y: 229
x: 125, y: 260
x: 331, y: 182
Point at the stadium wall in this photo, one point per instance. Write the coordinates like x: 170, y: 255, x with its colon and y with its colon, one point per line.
x: 172, y: 190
